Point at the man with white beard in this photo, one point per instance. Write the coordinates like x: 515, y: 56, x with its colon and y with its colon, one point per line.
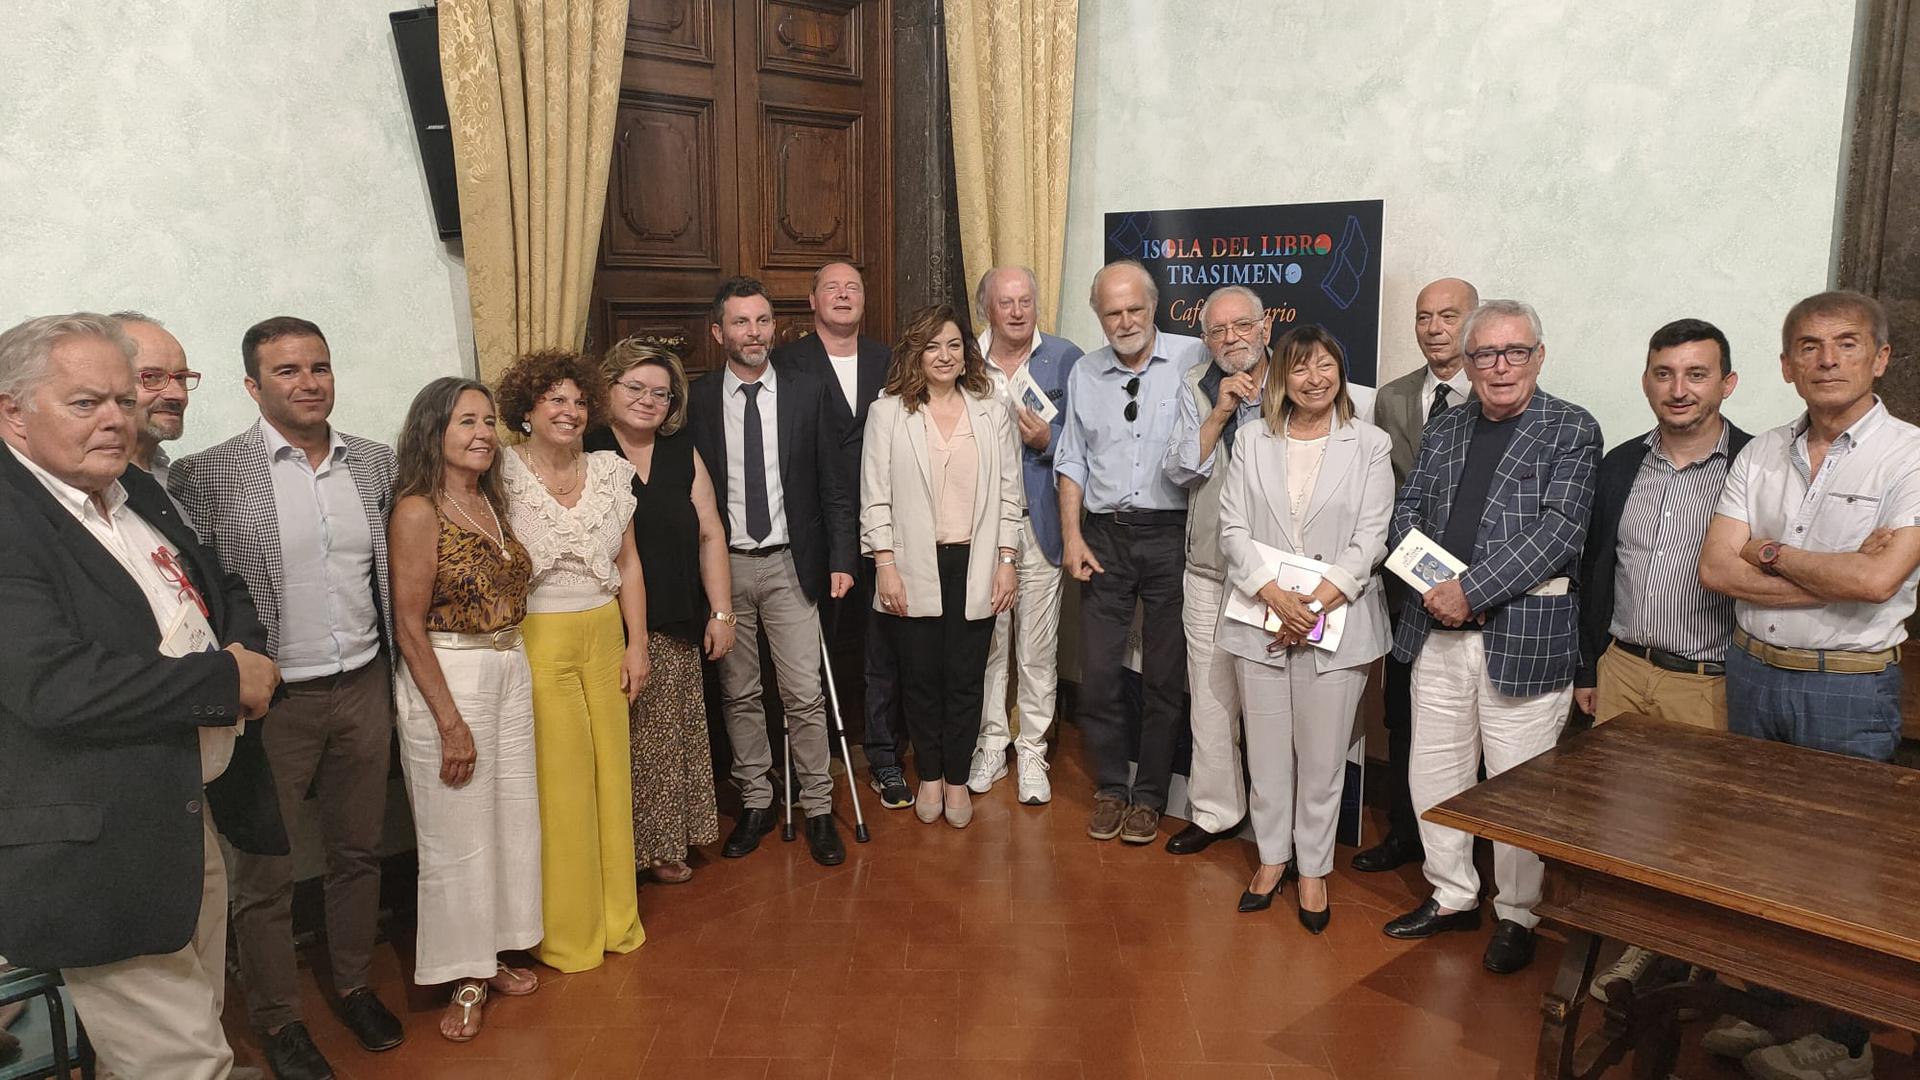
x: 1218, y: 398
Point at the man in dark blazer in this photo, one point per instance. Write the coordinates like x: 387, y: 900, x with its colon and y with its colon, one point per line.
x: 853, y: 368
x: 1505, y: 486
x: 118, y: 713
x: 790, y: 532
x: 1402, y: 409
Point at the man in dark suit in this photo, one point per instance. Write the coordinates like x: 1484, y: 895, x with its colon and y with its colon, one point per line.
x: 853, y: 368
x: 1402, y: 409
x: 790, y: 530
x: 119, y: 711
x: 1505, y: 486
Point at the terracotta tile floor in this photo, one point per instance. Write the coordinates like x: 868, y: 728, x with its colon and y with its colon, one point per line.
x: 1017, y: 948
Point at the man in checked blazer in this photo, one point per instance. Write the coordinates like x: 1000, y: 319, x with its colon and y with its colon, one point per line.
x: 1505, y: 484
x: 299, y: 511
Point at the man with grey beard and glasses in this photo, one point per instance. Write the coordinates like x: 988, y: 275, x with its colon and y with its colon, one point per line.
x: 163, y: 383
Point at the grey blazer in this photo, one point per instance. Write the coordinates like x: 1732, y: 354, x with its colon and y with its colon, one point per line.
x: 1396, y: 408
x: 1345, y: 525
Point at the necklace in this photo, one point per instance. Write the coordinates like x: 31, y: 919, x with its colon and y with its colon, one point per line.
x: 535, y: 469
x: 1297, y: 495
x: 498, y: 535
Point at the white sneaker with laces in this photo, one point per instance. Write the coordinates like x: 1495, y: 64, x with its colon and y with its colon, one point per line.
x: 988, y: 766
x: 1813, y: 1057
x: 1733, y: 1038
x: 1034, y: 786
x: 1632, y: 966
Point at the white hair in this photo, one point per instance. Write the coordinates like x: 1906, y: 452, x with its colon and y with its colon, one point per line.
x: 1153, y: 290
x: 980, y: 293
x: 125, y: 317
x: 1251, y: 297
x: 26, y: 351
x: 1494, y: 309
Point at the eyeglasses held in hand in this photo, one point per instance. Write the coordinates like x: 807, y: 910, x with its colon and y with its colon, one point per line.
x: 1133, y: 403
x: 155, y: 379
x: 1514, y: 355
x: 659, y: 394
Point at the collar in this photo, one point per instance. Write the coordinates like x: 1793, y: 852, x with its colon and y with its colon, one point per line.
x: 1111, y: 359
x: 1720, y: 448
x: 1458, y: 384
x: 160, y: 462
x: 1861, y: 431
x: 77, y: 502
x: 278, y: 446
x: 985, y: 342
x: 731, y: 383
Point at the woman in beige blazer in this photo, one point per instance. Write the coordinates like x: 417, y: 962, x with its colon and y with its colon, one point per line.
x: 940, y: 508
x: 1315, y: 481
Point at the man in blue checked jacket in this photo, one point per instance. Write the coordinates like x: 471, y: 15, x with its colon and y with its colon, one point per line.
x: 1505, y: 484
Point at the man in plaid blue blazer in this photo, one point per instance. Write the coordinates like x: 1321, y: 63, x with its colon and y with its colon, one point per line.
x: 1505, y: 484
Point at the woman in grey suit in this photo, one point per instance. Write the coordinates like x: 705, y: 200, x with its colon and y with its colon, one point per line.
x: 940, y: 506
x: 1314, y: 481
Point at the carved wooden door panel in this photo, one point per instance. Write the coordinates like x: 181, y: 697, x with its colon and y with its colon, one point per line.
x: 752, y: 138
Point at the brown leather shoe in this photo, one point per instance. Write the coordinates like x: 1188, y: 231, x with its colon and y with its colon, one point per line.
x: 1142, y: 825
x: 1107, y: 812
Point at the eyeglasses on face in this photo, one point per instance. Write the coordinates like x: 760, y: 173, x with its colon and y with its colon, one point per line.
x: 156, y: 379
x: 658, y: 394
x: 1238, y: 328
x: 1514, y: 355
x: 1133, y: 402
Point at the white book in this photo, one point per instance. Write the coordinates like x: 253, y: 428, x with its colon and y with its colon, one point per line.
x: 1027, y: 393
x: 1422, y: 563
x: 1296, y: 574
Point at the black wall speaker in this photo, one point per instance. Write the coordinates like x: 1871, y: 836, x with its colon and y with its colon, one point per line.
x: 416, y: 37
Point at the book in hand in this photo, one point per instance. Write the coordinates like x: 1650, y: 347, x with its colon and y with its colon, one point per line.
x: 1295, y: 574
x: 1422, y: 563
x: 1027, y: 394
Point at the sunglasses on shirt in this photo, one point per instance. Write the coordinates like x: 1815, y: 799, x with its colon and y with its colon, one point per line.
x: 1133, y: 399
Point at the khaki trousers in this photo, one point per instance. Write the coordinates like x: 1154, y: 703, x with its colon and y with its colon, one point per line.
x: 1626, y: 683
x: 767, y: 600
x: 158, y: 1017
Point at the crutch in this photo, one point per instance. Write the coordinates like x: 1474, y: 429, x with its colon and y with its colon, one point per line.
x: 839, y: 732
x: 786, y: 776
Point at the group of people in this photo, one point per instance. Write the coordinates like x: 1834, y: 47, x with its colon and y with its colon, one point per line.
x: 208, y: 643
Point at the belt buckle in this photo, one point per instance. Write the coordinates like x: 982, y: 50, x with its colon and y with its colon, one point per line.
x: 505, y: 639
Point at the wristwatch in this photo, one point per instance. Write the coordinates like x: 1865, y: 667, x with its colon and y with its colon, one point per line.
x: 1006, y: 559
x: 1770, y: 554
x: 727, y: 617
x: 1315, y: 607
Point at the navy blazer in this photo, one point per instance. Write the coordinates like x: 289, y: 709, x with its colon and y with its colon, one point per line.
x: 822, y: 520
x: 808, y: 355
x: 1602, y: 557
x: 101, y: 836
x: 1052, y: 361
x: 1532, y: 530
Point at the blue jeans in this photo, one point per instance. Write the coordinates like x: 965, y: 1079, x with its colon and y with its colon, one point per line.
x: 1856, y: 715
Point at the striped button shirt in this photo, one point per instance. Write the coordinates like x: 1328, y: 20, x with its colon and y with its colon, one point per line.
x: 1658, y: 599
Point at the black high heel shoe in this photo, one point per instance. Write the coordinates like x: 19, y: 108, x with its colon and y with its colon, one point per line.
x: 1251, y: 901
x: 1316, y: 921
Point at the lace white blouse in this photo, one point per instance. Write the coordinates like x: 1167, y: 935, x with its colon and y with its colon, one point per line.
x: 573, y: 550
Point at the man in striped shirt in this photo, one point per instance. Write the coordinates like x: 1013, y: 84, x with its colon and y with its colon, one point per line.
x: 1653, y: 640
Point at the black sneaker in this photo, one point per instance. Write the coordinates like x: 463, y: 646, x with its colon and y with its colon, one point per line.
x: 371, y: 1023
x: 891, y: 783
x: 292, y: 1056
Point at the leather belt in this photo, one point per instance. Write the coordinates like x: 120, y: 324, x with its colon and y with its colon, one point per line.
x: 759, y: 552
x: 1836, y: 661
x: 506, y: 639
x: 1667, y: 661
x: 1137, y: 518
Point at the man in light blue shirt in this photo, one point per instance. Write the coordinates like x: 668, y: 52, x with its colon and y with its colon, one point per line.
x: 1129, y: 547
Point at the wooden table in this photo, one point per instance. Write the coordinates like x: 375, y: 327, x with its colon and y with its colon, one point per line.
x: 1788, y: 868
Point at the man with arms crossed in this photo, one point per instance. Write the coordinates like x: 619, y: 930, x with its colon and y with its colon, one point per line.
x: 1027, y: 638
x: 1821, y: 593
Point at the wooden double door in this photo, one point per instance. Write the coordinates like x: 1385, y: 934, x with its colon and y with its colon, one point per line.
x: 753, y: 137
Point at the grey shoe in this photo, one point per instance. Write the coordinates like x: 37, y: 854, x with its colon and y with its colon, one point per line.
x: 1811, y: 1057
x: 1735, y: 1038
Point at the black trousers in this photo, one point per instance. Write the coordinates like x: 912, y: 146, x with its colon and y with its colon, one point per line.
x: 1144, y: 564
x: 943, y: 670
x: 1397, y: 691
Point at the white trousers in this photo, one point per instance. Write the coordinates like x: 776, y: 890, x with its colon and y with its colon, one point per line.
x: 1459, y: 717
x: 158, y: 1017
x: 1216, y: 791
x: 1299, y: 726
x: 479, y: 843
x: 1028, y: 636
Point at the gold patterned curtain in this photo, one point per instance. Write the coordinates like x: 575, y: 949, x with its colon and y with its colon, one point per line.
x: 1010, y: 76
x: 532, y: 86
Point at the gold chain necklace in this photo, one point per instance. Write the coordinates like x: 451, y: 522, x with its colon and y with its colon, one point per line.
x: 556, y: 492
x: 498, y: 535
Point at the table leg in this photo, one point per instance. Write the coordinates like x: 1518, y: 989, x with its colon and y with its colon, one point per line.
x: 1560, y: 1009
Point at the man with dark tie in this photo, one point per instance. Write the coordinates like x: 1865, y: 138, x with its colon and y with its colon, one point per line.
x: 775, y: 457
x: 853, y: 368
x: 1402, y: 409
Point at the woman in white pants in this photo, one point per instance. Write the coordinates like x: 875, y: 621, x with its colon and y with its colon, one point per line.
x: 464, y: 703
x: 1312, y: 481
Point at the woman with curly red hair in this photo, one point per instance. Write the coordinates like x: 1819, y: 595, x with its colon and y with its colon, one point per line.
x: 586, y: 640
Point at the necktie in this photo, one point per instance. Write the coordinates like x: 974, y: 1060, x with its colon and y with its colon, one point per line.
x: 1439, y: 400
x: 759, y: 520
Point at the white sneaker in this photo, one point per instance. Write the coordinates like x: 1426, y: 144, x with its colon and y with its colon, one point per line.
x: 1034, y: 787
x: 1632, y: 966
x: 1813, y: 1057
x: 1733, y: 1038
x: 988, y: 766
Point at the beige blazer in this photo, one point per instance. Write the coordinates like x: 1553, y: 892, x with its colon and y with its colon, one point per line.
x: 896, y: 500
x: 1345, y: 526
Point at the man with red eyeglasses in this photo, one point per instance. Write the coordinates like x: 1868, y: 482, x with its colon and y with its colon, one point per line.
x: 162, y: 383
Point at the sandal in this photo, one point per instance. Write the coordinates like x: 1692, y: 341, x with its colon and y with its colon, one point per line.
x: 519, y: 981
x: 470, y: 996
x: 672, y: 872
